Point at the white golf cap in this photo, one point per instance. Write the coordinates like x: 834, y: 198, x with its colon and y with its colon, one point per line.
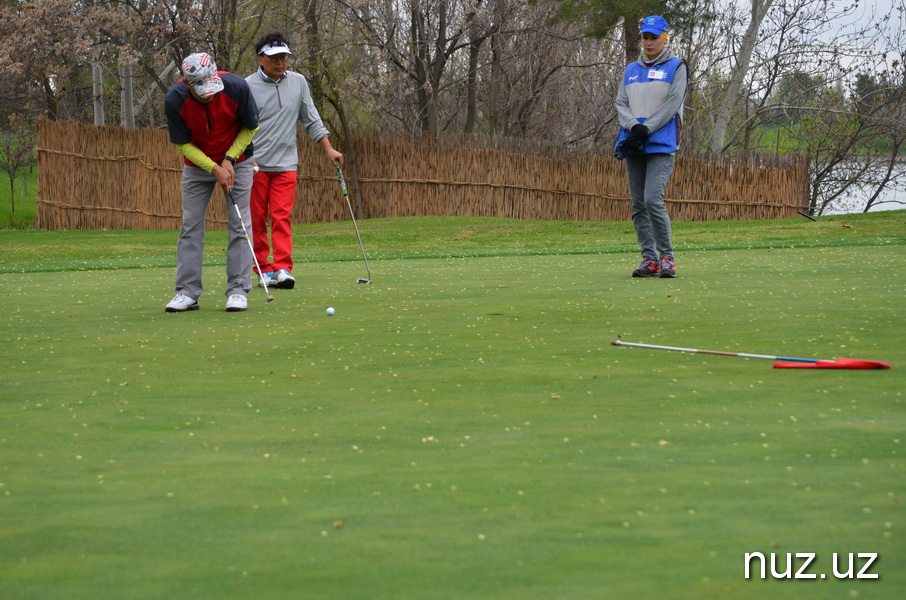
x: 275, y: 48
x: 200, y: 72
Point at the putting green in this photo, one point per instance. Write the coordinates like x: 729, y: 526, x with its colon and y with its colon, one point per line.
x: 461, y: 428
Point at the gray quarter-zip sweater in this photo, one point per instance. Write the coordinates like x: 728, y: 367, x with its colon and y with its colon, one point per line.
x: 281, y: 104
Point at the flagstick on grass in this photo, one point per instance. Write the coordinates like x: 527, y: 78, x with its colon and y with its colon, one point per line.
x: 789, y: 362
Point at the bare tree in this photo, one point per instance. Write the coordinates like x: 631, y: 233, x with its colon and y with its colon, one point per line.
x: 550, y: 73
x: 418, y: 38
x: 738, y: 74
x: 856, y: 151
x: 325, y: 57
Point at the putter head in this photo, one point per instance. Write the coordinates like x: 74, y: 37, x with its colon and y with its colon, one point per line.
x: 363, y: 281
x: 269, y: 298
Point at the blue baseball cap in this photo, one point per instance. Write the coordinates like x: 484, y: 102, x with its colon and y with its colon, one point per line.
x: 654, y: 24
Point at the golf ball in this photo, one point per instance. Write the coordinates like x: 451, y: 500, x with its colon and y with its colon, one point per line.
x: 330, y: 311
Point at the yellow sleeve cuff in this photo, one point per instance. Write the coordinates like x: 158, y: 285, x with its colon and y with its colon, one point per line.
x: 194, y: 154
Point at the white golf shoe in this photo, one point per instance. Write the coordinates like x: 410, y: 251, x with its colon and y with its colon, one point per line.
x: 181, y: 303
x: 283, y: 280
x: 236, y: 303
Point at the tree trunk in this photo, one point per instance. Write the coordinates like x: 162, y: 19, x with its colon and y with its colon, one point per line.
x: 737, y: 77
x: 50, y: 99
x: 97, y: 89
x: 323, y: 89
x: 313, y: 35
x: 631, y: 38
x: 127, y: 105
x: 12, y: 193
x: 495, y: 85
x: 472, y: 82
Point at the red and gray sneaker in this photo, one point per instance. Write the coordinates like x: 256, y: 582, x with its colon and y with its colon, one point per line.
x: 648, y: 268
x: 667, y: 268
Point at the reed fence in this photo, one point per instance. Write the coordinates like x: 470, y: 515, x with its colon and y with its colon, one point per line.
x: 116, y: 178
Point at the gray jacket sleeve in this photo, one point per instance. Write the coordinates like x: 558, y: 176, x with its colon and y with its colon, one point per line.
x: 308, y: 115
x: 624, y: 114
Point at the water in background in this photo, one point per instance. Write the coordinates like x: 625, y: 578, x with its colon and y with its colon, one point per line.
x: 891, y: 199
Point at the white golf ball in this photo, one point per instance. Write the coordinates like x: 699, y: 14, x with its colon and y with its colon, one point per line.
x: 330, y: 311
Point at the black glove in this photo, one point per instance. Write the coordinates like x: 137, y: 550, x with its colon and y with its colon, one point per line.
x: 640, y: 132
x: 638, y: 135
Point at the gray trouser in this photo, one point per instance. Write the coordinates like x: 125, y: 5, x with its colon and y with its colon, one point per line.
x: 648, y: 175
x: 197, y: 188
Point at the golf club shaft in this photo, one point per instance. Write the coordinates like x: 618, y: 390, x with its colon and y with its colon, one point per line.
x: 717, y: 352
x: 267, y: 294
x: 352, y: 215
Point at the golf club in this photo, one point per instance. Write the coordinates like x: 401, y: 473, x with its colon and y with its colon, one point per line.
x: 268, y: 297
x: 790, y: 363
x: 807, y: 216
x: 352, y: 215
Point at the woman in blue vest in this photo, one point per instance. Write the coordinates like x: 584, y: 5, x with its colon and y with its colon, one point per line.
x: 650, y: 109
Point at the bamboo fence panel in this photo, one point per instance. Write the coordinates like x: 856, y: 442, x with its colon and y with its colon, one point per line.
x: 114, y: 178
x: 110, y: 178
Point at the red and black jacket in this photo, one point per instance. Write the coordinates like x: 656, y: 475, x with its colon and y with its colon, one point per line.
x: 212, y: 126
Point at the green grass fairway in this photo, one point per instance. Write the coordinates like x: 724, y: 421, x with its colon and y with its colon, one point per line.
x: 462, y: 428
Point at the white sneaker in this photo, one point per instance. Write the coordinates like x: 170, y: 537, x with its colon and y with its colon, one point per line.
x: 284, y: 280
x: 181, y: 303
x: 266, y: 278
x: 237, y: 302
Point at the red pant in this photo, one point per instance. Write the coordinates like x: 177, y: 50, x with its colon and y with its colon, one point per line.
x: 273, y: 194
